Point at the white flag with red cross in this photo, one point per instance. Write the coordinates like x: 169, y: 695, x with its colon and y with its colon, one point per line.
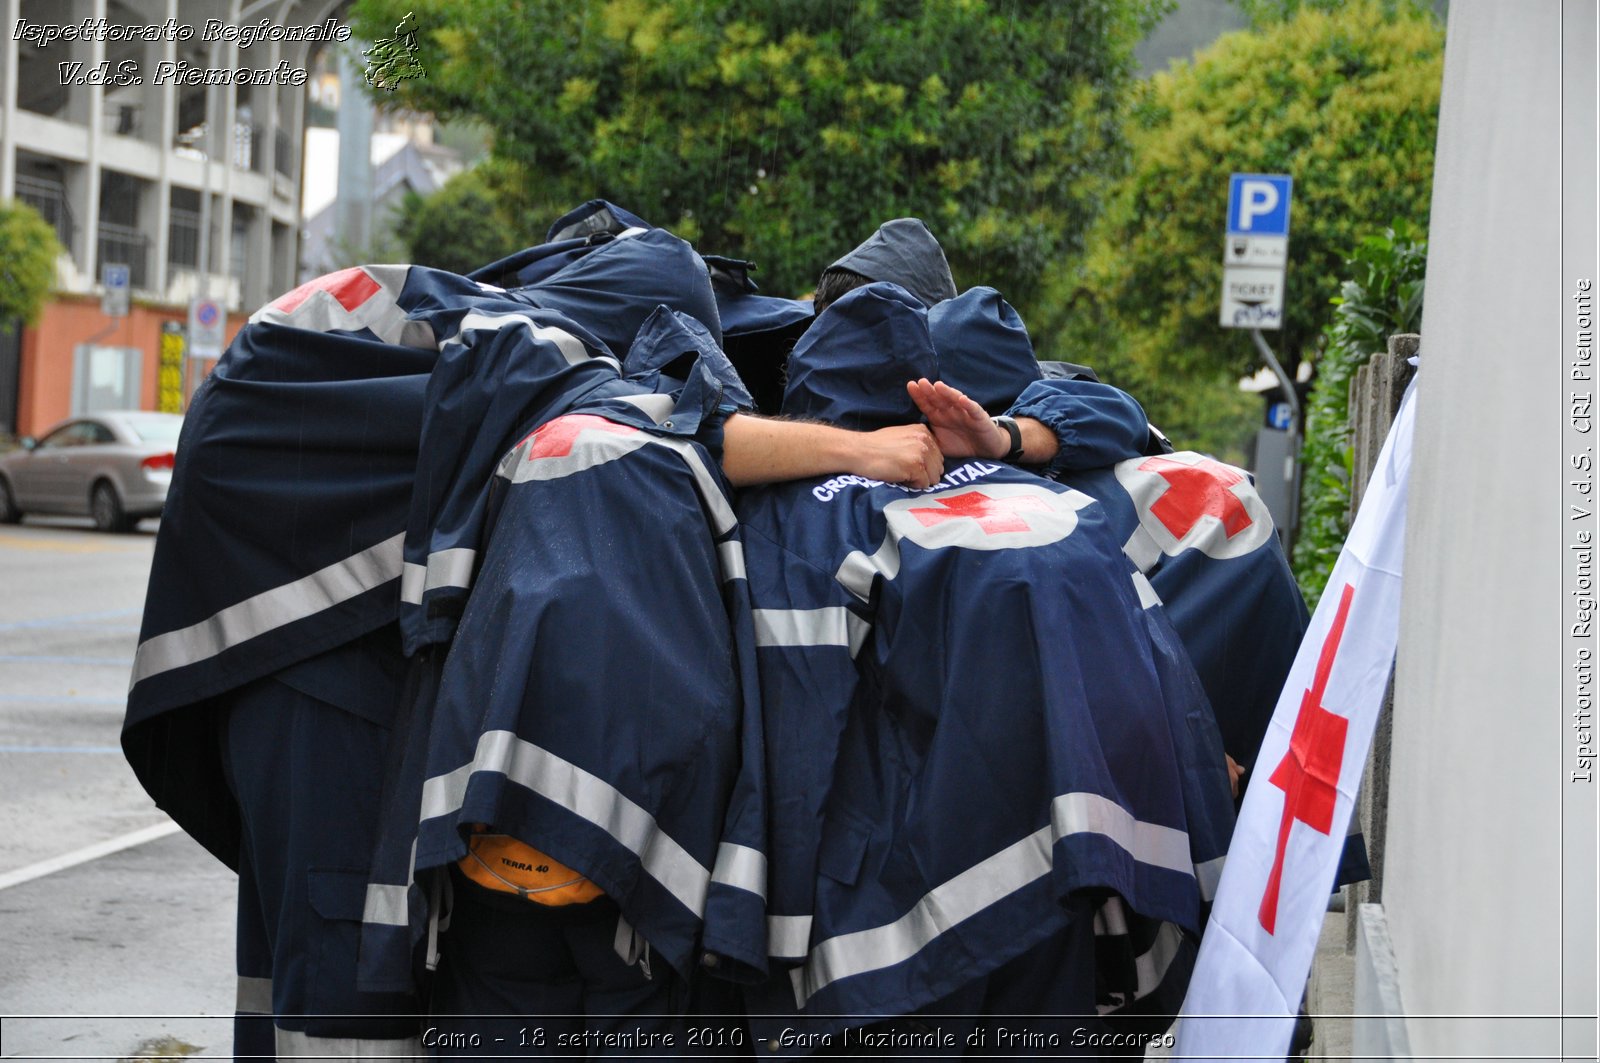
x: 1258, y: 946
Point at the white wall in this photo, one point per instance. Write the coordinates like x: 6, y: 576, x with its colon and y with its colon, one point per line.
x: 1471, y: 887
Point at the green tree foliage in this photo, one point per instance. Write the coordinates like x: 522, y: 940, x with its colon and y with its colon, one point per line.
x: 786, y: 130
x: 1381, y: 296
x: 28, y: 252
x: 1346, y: 101
x: 459, y: 227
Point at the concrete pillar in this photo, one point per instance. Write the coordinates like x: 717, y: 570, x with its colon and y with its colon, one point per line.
x: 91, y: 207
x: 353, y: 204
x: 229, y: 58
x: 1472, y: 887
x: 167, y: 130
x: 9, y: 12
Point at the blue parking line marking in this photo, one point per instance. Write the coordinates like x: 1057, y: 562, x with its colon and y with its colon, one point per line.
x: 66, y: 621
x: 21, y: 658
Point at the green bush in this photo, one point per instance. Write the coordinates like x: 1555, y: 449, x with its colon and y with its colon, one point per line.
x: 1381, y: 296
x: 787, y: 130
x: 460, y: 226
x: 1346, y: 102
x: 28, y: 252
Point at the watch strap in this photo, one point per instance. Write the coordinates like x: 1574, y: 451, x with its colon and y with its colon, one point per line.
x: 1015, y: 432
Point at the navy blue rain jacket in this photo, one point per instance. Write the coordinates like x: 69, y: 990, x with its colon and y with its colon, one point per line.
x: 599, y: 700
x: 1194, y: 526
x: 282, y: 537
x: 971, y: 713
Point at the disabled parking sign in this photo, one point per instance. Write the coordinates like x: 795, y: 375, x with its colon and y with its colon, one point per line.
x: 1255, y: 250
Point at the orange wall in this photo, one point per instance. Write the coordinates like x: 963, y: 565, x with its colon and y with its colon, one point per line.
x: 45, y: 392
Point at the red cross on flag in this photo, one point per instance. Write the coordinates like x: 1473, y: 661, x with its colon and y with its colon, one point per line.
x: 1257, y: 950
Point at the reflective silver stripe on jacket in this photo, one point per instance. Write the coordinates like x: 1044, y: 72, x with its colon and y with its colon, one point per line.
x: 253, y: 996
x: 829, y: 626
x: 386, y: 905
x: 731, y: 555
x: 269, y: 610
x: 985, y: 883
x: 380, y: 312
x: 1148, y: 843
x: 945, y: 906
x: 1208, y: 874
x: 445, y: 568
x: 788, y: 936
x: 570, y: 346
x: 1142, y: 549
x: 741, y: 867
x: 706, y: 482
x: 858, y: 569
x: 583, y: 794
x: 1147, y: 592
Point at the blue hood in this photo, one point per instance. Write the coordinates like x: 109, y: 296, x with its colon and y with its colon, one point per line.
x: 531, y: 264
x: 983, y: 348
x: 904, y: 252
x: 611, y: 290
x: 595, y: 216
x: 574, y: 235
x: 852, y: 365
x: 672, y: 349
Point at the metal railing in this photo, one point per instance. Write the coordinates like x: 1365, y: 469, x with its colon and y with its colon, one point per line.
x: 49, y: 198
x: 125, y: 244
x: 239, y: 254
x: 246, y: 146
x: 183, y: 239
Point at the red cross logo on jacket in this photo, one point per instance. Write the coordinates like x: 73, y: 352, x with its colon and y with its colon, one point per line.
x: 349, y: 288
x: 994, y: 515
x: 1197, y: 491
x: 555, y: 439
x: 1308, y: 775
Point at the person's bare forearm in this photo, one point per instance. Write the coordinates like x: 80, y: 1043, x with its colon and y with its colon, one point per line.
x: 1039, y: 443
x: 964, y: 430
x: 760, y: 450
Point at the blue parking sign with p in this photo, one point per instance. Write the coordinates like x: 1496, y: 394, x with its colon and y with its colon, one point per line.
x: 1258, y: 204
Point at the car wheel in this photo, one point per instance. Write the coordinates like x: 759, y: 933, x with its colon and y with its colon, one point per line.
x: 106, y: 508
x: 9, y: 513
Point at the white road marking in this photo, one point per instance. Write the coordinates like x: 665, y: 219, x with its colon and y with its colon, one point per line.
x: 87, y: 853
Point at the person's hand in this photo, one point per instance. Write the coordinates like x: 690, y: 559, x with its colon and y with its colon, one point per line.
x: 903, y: 454
x: 1235, y: 773
x: 959, y: 425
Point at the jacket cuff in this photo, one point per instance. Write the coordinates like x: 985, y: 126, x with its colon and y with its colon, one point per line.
x: 1095, y: 424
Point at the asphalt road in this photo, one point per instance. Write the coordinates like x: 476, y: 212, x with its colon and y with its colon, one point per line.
x: 116, y: 932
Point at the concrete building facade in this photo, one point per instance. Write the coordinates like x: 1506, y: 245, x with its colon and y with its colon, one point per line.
x: 121, y: 170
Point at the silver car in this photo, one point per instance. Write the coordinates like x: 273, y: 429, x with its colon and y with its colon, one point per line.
x: 114, y: 466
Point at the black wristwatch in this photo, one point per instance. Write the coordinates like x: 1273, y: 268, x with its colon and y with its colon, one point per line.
x: 1012, y: 430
